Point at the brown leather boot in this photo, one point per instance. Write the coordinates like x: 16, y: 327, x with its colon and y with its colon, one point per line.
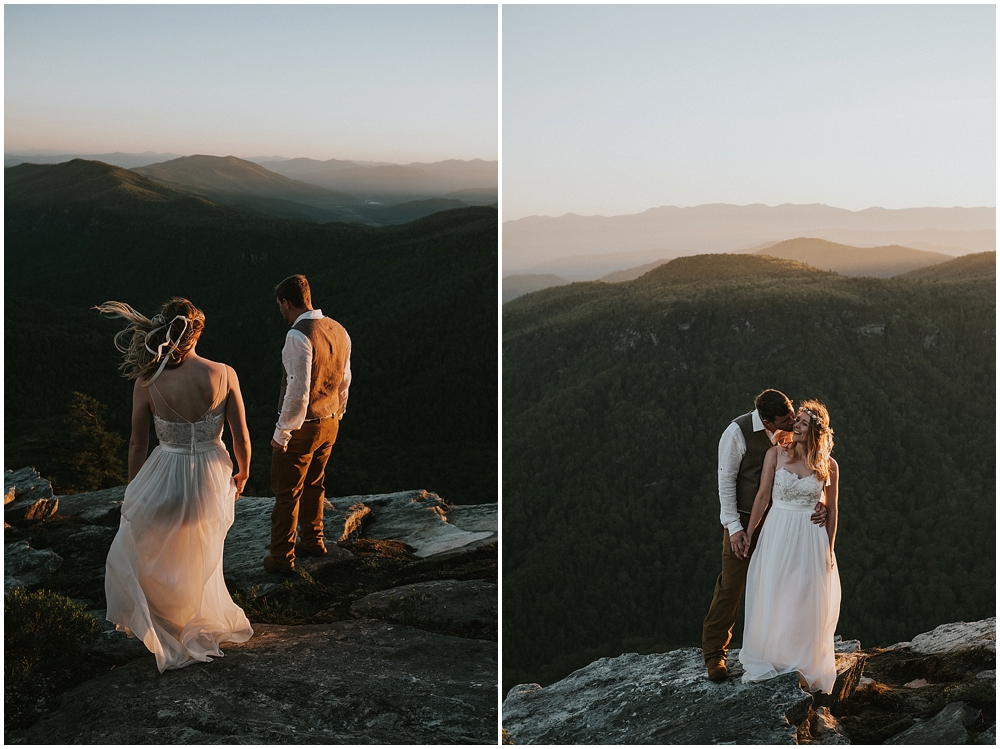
x: 280, y: 566
x: 717, y: 670
x: 315, y: 549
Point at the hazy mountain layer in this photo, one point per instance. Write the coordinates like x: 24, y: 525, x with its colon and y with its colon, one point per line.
x: 515, y: 286
x: 533, y: 242
x: 419, y: 301
x: 882, y: 262
x: 83, y: 182
x: 124, y: 160
x: 399, y: 181
x: 614, y: 398
x: 232, y: 176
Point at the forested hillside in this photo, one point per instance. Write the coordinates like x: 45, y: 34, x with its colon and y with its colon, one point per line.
x: 614, y: 398
x: 418, y: 300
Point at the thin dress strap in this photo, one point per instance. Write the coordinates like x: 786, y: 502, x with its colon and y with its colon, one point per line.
x: 156, y: 390
x: 223, y: 389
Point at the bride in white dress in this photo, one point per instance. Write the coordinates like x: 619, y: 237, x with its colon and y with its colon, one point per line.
x: 164, y: 580
x: 793, y: 586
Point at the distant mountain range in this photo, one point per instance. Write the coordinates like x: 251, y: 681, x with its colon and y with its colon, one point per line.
x: 397, y: 181
x: 124, y: 160
x: 521, y: 284
x: 419, y: 300
x: 579, y: 247
x: 310, y: 190
x: 879, y: 262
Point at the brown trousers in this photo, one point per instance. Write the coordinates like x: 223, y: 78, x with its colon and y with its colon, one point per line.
x: 717, y: 631
x: 297, y: 482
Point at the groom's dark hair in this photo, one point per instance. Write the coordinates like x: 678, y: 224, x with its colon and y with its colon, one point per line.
x: 772, y: 404
x: 295, y: 290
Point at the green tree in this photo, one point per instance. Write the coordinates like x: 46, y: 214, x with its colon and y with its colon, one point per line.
x: 92, y: 460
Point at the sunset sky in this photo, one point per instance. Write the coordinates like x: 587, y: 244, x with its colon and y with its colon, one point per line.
x: 616, y: 109
x: 367, y: 82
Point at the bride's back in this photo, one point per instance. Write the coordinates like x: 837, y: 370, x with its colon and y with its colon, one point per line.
x: 190, y: 390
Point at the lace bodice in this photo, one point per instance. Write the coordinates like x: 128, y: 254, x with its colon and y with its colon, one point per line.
x: 788, y: 487
x: 206, y: 429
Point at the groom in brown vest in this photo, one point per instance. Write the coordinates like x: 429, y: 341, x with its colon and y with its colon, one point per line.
x: 316, y: 360
x: 741, y: 459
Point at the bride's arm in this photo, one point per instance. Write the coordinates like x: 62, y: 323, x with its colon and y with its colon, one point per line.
x: 832, y: 492
x: 138, y: 443
x: 763, y: 497
x: 237, y: 419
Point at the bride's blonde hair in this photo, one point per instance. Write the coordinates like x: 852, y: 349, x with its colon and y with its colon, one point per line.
x: 819, y: 438
x: 172, y: 332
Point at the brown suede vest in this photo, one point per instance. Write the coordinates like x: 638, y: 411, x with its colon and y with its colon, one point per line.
x: 748, y: 477
x: 331, y: 349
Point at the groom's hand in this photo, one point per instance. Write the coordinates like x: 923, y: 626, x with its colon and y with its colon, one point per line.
x: 740, y: 543
x: 819, y: 515
x: 279, y: 447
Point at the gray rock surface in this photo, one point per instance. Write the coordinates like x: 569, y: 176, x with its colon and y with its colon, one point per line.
x: 666, y: 699
x: 24, y: 566
x: 92, y: 506
x: 417, y: 518
x: 989, y: 736
x: 353, y: 681
x: 947, y: 727
x: 950, y: 638
x: 656, y: 699
x: 248, y: 541
x: 350, y: 682
x: 27, y: 497
x: 436, y: 605
x: 421, y: 520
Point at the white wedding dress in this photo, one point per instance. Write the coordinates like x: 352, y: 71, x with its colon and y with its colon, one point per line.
x: 164, y: 580
x: 792, y: 592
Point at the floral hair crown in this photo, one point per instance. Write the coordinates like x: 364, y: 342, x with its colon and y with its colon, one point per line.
x: 820, y: 426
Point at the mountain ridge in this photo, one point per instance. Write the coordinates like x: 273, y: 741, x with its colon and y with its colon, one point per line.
x: 84, y: 249
x: 531, y: 244
x: 235, y: 176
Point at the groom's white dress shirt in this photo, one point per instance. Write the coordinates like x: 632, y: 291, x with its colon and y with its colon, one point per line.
x: 297, y: 356
x: 732, y: 448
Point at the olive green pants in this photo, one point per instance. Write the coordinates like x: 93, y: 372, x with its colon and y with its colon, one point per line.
x: 717, y: 631
x: 297, y: 482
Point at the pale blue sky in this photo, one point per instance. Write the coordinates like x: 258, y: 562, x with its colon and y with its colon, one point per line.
x: 396, y: 83
x: 616, y: 109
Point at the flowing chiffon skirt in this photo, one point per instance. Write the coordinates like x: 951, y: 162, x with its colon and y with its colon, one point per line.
x: 792, y: 600
x: 164, y: 580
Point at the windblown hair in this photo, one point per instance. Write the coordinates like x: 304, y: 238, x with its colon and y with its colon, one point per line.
x: 143, y: 334
x: 294, y: 289
x: 819, y: 438
x: 772, y: 404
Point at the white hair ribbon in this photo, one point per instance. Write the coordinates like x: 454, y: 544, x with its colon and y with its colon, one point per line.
x: 171, y: 345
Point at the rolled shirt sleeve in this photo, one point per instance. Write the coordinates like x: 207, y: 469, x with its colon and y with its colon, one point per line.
x: 296, y: 355
x: 732, y: 448
x: 345, y: 383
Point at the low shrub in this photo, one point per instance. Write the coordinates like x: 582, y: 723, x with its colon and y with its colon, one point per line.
x: 42, y: 627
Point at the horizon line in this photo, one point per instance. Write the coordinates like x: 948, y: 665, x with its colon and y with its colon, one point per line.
x: 571, y: 214
x: 28, y: 152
